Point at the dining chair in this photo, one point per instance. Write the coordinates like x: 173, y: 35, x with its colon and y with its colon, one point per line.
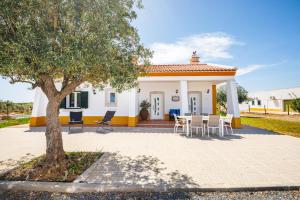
x: 213, y: 123
x: 197, y: 123
x: 228, y: 123
x: 178, y: 123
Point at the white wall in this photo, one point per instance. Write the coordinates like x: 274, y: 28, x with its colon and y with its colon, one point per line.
x: 268, y: 103
x: 169, y: 90
x: 272, y: 99
x: 203, y: 87
x: 97, y: 101
x: 96, y: 104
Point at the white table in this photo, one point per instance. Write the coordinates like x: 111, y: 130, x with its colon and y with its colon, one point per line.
x: 188, y: 119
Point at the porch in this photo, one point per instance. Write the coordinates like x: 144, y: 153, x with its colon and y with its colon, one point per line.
x: 189, y: 94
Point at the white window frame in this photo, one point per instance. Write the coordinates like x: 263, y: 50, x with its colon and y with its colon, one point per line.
x: 75, y: 100
x: 107, y: 98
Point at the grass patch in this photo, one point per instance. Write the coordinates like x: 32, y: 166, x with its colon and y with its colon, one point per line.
x: 13, y: 122
x: 76, y: 164
x: 276, y: 125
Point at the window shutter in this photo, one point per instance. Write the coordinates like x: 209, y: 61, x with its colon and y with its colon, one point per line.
x: 84, y: 99
x: 63, y: 103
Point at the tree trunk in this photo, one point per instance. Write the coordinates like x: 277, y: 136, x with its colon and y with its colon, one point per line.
x: 55, y: 154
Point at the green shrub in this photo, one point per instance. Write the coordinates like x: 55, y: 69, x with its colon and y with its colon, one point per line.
x: 295, y: 104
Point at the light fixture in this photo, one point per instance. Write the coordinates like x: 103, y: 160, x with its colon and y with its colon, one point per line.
x: 207, y: 91
x: 94, y: 91
x: 139, y: 90
x: 176, y: 91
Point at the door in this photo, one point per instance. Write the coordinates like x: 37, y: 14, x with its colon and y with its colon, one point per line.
x: 157, y: 106
x: 195, y: 103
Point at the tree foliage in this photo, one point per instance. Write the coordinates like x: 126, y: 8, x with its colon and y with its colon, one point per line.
x: 76, y: 40
x: 70, y: 41
x: 295, y: 104
x: 222, y: 97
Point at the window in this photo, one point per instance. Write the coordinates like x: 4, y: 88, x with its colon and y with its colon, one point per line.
x: 75, y: 100
x: 253, y: 102
x: 259, y: 102
x: 110, y: 98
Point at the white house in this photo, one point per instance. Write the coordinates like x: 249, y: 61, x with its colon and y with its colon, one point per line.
x: 272, y: 101
x: 188, y: 87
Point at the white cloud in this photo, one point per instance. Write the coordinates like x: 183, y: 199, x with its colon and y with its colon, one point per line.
x: 250, y: 68
x: 210, y: 47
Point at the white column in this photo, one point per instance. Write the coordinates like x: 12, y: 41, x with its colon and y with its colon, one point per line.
x: 232, y: 99
x: 184, y: 97
x: 133, y: 103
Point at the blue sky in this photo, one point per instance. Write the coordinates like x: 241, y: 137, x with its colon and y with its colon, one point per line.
x: 262, y: 38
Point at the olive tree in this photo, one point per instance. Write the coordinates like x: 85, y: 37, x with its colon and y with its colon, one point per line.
x: 222, y: 97
x: 70, y: 41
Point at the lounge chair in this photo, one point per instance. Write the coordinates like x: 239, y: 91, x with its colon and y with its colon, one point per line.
x: 106, y: 121
x: 75, y: 118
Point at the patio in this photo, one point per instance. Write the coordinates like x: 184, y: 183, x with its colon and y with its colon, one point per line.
x: 141, y: 157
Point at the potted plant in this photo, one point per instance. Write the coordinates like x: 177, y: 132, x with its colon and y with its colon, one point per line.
x: 145, y: 105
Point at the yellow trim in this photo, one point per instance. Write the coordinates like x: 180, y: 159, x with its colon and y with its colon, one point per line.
x: 236, y: 122
x: 267, y: 109
x: 214, y: 99
x: 90, y: 120
x: 37, y: 121
x: 132, y: 121
x: 212, y: 73
x: 263, y: 110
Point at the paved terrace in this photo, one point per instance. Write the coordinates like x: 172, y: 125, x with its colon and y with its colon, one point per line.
x: 140, y: 157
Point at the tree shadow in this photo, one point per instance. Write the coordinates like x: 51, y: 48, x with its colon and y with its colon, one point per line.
x: 9, y: 164
x: 253, y: 131
x: 113, y: 170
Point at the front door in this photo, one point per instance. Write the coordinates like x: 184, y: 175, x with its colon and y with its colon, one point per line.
x: 195, y: 103
x: 157, y: 106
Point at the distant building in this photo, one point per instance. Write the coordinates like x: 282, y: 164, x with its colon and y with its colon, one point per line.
x: 272, y: 100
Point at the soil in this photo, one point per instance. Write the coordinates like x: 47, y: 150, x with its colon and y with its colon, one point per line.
x: 37, y: 170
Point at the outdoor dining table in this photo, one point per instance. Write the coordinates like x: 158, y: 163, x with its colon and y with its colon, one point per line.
x: 188, y: 119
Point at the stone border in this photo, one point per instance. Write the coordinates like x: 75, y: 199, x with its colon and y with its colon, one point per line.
x: 93, y: 187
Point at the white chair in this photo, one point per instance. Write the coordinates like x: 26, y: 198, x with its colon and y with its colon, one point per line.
x: 228, y: 123
x: 178, y: 123
x: 213, y: 123
x: 197, y: 123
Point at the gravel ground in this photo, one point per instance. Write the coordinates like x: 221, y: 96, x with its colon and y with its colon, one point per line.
x: 270, y: 195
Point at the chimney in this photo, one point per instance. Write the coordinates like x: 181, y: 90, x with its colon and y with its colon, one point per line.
x: 195, y: 59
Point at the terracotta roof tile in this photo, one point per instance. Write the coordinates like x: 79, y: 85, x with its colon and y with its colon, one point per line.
x: 189, y: 68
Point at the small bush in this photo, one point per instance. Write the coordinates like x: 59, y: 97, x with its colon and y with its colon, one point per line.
x: 295, y: 104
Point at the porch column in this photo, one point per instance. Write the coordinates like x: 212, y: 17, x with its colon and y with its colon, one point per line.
x: 133, y: 107
x: 233, y: 104
x: 184, y: 97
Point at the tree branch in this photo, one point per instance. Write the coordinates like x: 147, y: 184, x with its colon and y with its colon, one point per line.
x: 18, y: 80
x: 69, y: 88
x: 65, y: 82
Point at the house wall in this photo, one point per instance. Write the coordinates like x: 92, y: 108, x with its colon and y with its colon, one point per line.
x: 95, y: 111
x: 272, y: 100
x: 169, y: 89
